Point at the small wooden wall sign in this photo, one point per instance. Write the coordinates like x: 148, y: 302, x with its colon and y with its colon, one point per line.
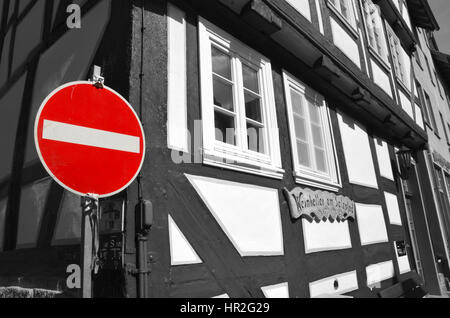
x: 319, y: 206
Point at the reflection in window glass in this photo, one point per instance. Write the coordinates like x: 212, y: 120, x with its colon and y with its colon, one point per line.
x: 28, y: 34
x: 64, y: 62
x: 32, y: 205
x: 4, y: 59
x: 2, y: 222
x: 68, y: 228
x: 23, y: 4
x: 10, y: 106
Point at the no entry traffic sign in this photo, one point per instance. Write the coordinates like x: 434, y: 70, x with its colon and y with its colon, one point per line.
x: 89, y: 139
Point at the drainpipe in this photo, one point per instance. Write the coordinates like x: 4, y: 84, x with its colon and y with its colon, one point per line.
x: 144, y: 209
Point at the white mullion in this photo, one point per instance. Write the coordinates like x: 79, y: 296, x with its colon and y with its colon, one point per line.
x: 309, y: 134
x: 264, y: 110
x: 241, y: 130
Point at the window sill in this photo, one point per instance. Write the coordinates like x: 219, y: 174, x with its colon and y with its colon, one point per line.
x: 351, y: 28
x: 254, y: 168
x: 319, y: 184
x: 403, y: 85
x: 380, y: 60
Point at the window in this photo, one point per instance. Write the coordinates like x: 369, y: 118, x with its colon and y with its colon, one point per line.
x: 400, y: 59
x: 301, y: 6
x: 240, y: 129
x: 444, y: 127
x: 344, y: 8
x: 314, y: 154
x: 429, y: 70
x: 374, y: 29
x: 424, y: 107
x: 429, y: 107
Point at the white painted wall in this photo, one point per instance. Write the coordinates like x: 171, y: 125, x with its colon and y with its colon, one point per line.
x: 381, y: 78
x: 345, y: 42
x: 405, y: 101
x: 347, y: 282
x: 378, y: 273
x: 249, y: 215
x: 393, y: 209
x: 371, y: 224
x: 278, y: 291
x: 326, y: 236
x: 419, y: 117
x: 358, y: 155
x: 384, y: 159
x: 181, y: 251
x: 177, y: 130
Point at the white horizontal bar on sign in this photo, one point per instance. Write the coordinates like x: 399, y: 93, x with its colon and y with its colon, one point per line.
x: 79, y: 135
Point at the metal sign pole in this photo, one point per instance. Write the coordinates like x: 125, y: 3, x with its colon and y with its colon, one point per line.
x: 86, y: 250
x: 89, y: 245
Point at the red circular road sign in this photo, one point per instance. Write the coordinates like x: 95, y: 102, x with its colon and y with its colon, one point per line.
x: 89, y: 140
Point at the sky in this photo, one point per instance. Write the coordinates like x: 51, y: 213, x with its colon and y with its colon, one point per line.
x: 441, y: 9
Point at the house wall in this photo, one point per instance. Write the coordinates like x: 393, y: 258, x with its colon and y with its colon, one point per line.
x: 214, y: 214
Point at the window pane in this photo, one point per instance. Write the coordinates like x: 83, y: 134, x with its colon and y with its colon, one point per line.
x: 253, y: 107
x: 2, y: 221
x: 255, y: 138
x: 321, y: 160
x: 225, y: 128
x: 314, y: 112
x: 221, y: 63
x: 345, y: 9
x: 223, y: 95
x: 300, y: 128
x: 32, y: 205
x: 317, y: 136
x: 303, y: 154
x: 250, y: 79
x: 297, y: 103
x: 68, y: 229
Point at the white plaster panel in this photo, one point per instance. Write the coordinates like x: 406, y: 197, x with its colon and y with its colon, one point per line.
x: 276, y: 291
x: 393, y: 209
x: 347, y: 283
x: 326, y: 236
x: 345, y: 43
x: 302, y: 6
x: 379, y: 272
x: 177, y: 131
x: 181, y: 252
x: 406, y: 104
x: 371, y: 224
x: 381, y: 78
x: 249, y: 215
x: 358, y: 155
x: 419, y: 117
x: 384, y: 159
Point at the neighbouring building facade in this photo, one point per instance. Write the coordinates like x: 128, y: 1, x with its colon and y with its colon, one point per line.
x: 295, y: 148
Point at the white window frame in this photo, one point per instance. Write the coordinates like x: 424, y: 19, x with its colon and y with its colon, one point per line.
x: 238, y: 157
x: 351, y: 21
x: 384, y: 58
x: 396, y: 51
x: 305, y: 175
